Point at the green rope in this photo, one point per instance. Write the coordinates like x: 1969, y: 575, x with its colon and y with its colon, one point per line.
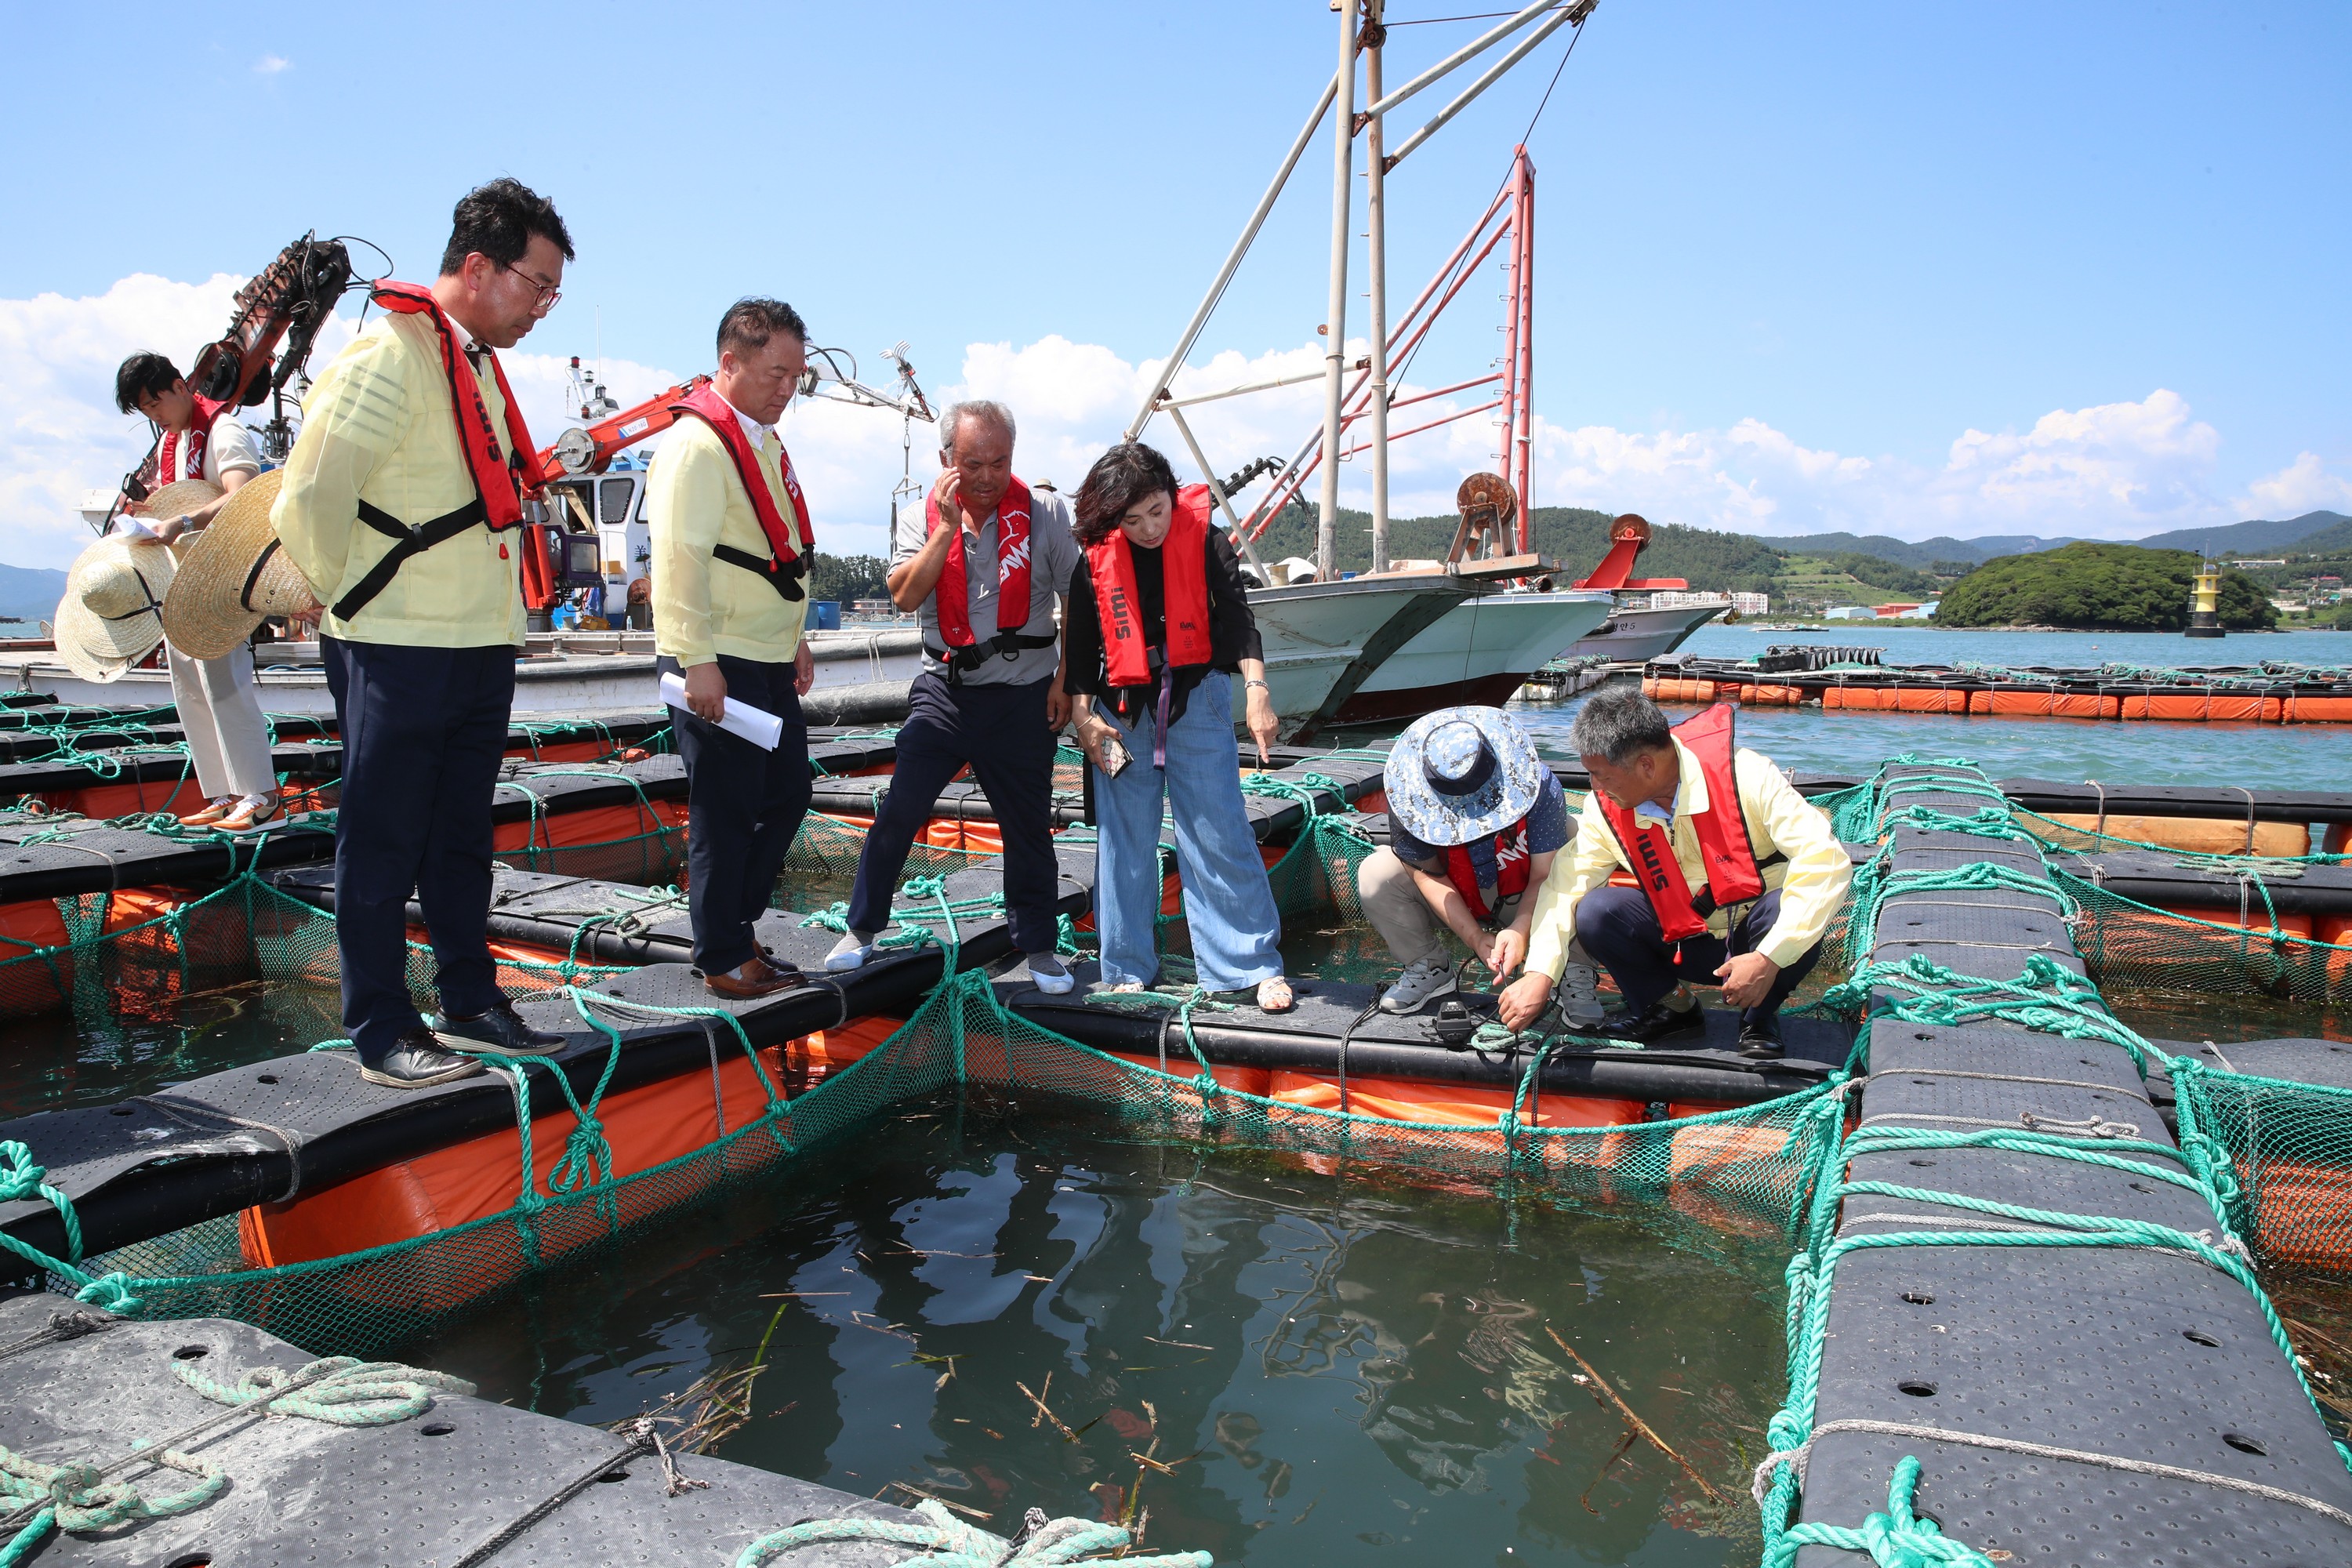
x: 346, y: 1392
x: 943, y: 1540
x: 1898, y: 1538
x: 77, y: 1498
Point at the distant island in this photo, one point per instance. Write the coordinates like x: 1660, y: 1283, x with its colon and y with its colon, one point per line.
x: 1806, y: 575
x: 2098, y: 588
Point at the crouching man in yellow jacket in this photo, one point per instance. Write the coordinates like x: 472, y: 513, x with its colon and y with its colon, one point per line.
x: 1737, y: 877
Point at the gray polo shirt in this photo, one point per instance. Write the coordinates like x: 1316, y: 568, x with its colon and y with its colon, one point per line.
x: 1053, y: 556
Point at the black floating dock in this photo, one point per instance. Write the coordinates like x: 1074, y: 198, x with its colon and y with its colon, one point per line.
x: 439, y: 1487
x: 2037, y: 1384
x: 214, y: 1145
x: 1335, y: 1028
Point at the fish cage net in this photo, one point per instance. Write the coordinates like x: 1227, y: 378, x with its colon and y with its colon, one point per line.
x: 1744, y: 1172
x: 2279, y: 1155
x: 142, y: 952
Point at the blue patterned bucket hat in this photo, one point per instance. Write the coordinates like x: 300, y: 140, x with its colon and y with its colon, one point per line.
x: 1461, y: 774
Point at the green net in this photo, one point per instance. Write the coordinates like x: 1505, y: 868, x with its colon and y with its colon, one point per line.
x: 2280, y: 1158
x: 2274, y: 1160
x: 140, y: 951
x: 1745, y: 1171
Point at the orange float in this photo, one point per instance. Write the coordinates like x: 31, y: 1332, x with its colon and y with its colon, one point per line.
x: 481, y: 1177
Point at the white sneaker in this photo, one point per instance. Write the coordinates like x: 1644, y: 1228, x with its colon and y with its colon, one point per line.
x: 1417, y: 986
x: 1052, y: 975
x: 850, y: 952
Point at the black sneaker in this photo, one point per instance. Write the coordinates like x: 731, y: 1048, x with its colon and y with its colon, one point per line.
x: 1759, y: 1038
x: 417, y: 1061
x: 1660, y: 1024
x: 501, y: 1030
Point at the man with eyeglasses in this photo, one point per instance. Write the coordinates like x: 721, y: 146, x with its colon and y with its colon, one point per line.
x: 401, y: 500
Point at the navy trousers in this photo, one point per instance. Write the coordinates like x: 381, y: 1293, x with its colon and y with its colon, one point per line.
x: 743, y: 808
x: 1000, y: 731
x: 1622, y: 931
x: 424, y: 730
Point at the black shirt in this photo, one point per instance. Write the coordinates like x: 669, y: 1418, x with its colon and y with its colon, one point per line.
x: 1232, y: 630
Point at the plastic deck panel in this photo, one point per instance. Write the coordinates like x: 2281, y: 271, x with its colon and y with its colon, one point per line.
x: 2142, y: 800
x: 134, y: 1172
x: 2081, y: 1349
x: 546, y: 910
x: 97, y: 858
x: 427, y: 1489
x: 1997, y: 931
x: 2084, y: 1348
x: 142, y: 765
x: 2178, y: 881
x: 128, y: 1167
x: 2326, y: 1063
x: 1308, y: 1039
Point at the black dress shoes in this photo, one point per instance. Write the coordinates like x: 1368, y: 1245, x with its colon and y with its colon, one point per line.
x: 1760, y: 1039
x: 501, y: 1030
x: 417, y: 1061
x: 1659, y: 1024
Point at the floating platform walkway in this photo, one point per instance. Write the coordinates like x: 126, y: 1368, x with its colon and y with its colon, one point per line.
x: 1954, y: 1124
x: 2254, y: 694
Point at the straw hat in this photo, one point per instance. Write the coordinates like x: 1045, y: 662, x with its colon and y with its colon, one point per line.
x: 1461, y: 774
x: 233, y: 576
x: 179, y: 498
x: 110, y: 617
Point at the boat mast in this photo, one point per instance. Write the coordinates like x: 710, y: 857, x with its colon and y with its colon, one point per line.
x: 1335, y: 325
x: 1377, y: 280
x: 1512, y: 458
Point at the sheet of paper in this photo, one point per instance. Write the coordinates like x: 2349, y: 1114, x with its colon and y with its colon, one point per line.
x: 757, y: 725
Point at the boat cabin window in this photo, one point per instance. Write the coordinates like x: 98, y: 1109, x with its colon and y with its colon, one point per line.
x: 613, y: 499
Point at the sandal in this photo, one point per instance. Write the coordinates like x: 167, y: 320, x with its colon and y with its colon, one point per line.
x: 1273, y: 995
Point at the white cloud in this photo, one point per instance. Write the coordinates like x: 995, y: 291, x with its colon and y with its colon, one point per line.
x: 2115, y: 470
x: 270, y: 64
x: 2304, y: 485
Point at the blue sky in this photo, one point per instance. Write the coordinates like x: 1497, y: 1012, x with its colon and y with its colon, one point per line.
x: 1789, y: 259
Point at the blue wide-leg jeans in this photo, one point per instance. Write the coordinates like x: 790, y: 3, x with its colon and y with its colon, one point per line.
x: 1228, y: 902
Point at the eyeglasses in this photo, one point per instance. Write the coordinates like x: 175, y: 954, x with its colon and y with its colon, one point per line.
x: 549, y: 293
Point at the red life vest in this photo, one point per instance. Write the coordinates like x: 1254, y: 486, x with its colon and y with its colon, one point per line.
x: 1512, y: 863
x: 953, y: 598
x: 196, y: 442
x: 705, y: 404
x: 1732, y: 876
x: 499, y: 474
x: 1184, y: 592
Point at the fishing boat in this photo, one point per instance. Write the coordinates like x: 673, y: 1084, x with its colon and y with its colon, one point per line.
x: 1636, y: 631
x: 1480, y: 651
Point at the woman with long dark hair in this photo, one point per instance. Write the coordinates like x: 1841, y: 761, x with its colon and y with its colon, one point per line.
x: 1156, y: 624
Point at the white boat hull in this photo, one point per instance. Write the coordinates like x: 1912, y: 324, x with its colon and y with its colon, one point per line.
x: 1637, y: 636
x: 1483, y: 650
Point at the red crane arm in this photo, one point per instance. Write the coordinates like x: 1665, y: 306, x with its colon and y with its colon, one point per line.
x: 609, y: 435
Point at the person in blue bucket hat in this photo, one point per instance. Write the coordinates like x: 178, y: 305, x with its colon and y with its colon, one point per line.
x: 1475, y: 818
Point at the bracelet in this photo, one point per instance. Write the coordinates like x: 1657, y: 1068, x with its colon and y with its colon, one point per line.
x: 1261, y: 685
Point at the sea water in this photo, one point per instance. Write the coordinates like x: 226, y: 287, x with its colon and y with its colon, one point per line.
x: 2248, y: 755
x: 1015, y: 1304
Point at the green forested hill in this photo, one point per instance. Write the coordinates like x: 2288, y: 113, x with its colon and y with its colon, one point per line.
x: 2097, y: 587
x: 1575, y: 536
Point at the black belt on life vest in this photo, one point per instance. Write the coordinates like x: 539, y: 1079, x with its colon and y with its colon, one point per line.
x: 1004, y: 645
x: 407, y: 541
x: 1703, y: 903
x: 784, y: 579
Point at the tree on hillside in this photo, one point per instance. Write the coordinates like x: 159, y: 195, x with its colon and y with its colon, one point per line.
x: 846, y: 577
x: 2097, y: 587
